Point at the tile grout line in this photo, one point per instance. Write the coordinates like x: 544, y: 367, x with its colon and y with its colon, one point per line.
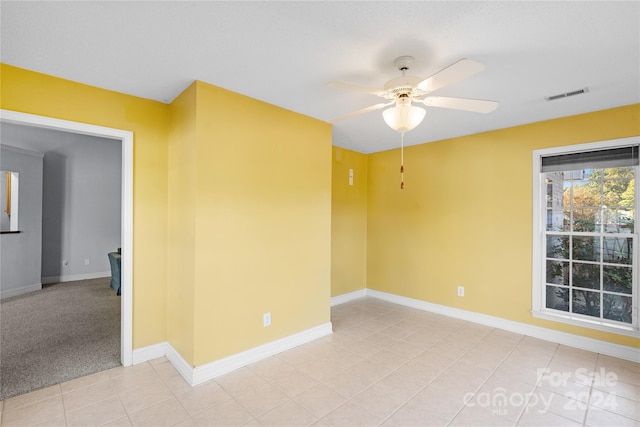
x: 535, y: 386
x: 175, y: 396
x: 429, y: 382
x: 487, y: 379
x: 591, y: 390
x: 124, y: 408
x: 66, y: 412
x: 588, y: 402
x: 350, y: 399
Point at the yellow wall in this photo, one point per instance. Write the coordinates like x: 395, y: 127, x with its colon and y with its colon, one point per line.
x: 232, y: 210
x: 29, y: 92
x: 465, y: 216
x: 181, y: 217
x: 348, y: 222
x: 259, y: 195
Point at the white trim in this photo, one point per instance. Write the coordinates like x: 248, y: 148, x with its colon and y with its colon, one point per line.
x: 15, y: 117
x: 584, y: 321
x: 19, y: 150
x: 590, y: 344
x: 144, y: 354
x: 209, y: 371
x: 341, y: 299
x: 538, y: 308
x: 223, y: 366
x: 126, y: 266
x: 15, y: 201
x: 21, y: 290
x: 181, y: 365
x: 74, y: 277
x: 536, y: 238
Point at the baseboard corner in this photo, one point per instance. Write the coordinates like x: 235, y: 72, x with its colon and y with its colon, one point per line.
x: 223, y: 366
x: 349, y: 296
x: 150, y: 352
x: 200, y: 374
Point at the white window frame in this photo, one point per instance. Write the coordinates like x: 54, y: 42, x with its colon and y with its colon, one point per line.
x: 538, y: 308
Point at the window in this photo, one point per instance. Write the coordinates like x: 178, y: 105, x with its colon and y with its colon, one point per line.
x: 585, y: 251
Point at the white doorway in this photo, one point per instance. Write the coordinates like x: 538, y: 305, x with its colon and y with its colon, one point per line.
x: 126, y: 332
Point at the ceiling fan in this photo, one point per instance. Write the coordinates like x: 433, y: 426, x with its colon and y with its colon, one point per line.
x: 405, y: 90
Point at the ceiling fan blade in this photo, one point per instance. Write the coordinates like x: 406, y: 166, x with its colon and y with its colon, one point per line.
x: 358, y: 88
x: 475, y: 105
x: 453, y: 73
x: 362, y: 111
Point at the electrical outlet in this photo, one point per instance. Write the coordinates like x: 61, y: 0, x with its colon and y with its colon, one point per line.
x: 460, y: 291
x: 87, y: 261
x: 266, y: 319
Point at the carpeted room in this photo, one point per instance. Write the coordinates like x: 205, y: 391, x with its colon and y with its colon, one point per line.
x: 69, y: 195
x: 65, y: 331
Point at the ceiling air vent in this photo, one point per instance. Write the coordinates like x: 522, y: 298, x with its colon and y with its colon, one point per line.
x: 567, y: 94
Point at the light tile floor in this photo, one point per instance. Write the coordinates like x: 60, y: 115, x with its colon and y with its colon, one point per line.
x: 384, y: 365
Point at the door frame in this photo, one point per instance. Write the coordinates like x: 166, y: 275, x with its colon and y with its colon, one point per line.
x: 126, y: 228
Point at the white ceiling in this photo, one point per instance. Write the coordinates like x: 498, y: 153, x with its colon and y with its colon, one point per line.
x: 285, y: 53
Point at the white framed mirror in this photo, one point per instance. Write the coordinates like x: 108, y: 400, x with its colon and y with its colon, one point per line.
x: 10, y: 187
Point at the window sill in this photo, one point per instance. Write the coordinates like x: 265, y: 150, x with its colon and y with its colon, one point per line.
x: 9, y: 232
x: 599, y: 325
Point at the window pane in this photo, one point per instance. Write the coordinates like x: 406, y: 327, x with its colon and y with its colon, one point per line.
x: 586, y: 275
x: 586, y: 220
x: 558, y: 272
x: 618, y: 220
x: 585, y: 302
x: 617, y: 307
x: 558, y: 246
x: 612, y: 190
x: 617, y: 279
x: 618, y: 250
x: 557, y: 298
x: 586, y: 248
x: 623, y: 173
x: 555, y: 202
x: 556, y: 220
x: 618, y: 187
x: 586, y: 193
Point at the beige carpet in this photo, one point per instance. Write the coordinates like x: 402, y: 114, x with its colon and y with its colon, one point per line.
x: 62, y: 332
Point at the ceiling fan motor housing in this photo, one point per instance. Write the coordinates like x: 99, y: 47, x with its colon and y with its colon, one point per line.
x: 403, y: 85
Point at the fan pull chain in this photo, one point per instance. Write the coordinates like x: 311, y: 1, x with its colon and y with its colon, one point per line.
x: 402, y: 161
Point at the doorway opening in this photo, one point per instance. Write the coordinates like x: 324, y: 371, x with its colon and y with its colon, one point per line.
x: 126, y: 138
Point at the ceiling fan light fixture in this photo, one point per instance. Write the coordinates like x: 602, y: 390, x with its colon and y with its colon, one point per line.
x: 403, y: 118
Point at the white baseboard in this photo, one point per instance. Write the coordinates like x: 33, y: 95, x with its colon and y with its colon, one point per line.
x: 74, y: 277
x: 341, y: 299
x: 144, y: 354
x: 572, y: 340
x: 183, y: 367
x: 19, y: 291
x: 223, y: 366
x: 209, y: 371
